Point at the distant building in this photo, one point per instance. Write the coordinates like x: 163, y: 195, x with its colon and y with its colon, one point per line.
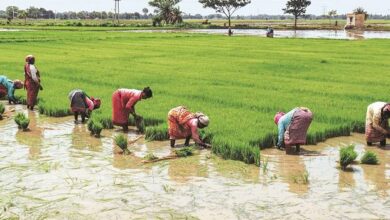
x: 355, y: 21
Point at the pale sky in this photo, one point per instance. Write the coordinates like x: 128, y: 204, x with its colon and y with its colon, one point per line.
x: 193, y: 6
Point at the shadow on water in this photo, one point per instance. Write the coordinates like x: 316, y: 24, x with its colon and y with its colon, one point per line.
x: 57, y: 170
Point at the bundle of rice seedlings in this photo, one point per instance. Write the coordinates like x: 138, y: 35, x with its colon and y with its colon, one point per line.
x: 2, y: 110
x: 121, y: 142
x: 347, y: 156
x: 185, y: 152
x: 95, y: 127
x: 140, y: 124
x: 150, y: 157
x: 369, y: 158
x: 22, y: 121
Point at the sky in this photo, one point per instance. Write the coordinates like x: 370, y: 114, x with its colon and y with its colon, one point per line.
x: 271, y: 7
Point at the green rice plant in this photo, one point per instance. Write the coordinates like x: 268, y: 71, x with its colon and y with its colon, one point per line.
x: 185, y: 152
x: 2, y: 110
x: 95, y: 127
x: 369, y: 157
x: 22, y: 121
x: 150, y: 157
x: 140, y: 124
x: 156, y: 133
x: 265, y: 165
x: 121, y: 142
x: 302, y: 178
x: 347, y: 156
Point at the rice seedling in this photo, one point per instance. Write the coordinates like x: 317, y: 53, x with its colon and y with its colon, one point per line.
x: 240, y: 124
x: 265, y: 165
x: 2, y: 110
x: 22, y: 121
x: 347, y: 156
x: 150, y: 157
x: 95, y: 127
x: 121, y: 142
x: 302, y: 178
x: 369, y: 157
x: 140, y: 124
x: 185, y: 152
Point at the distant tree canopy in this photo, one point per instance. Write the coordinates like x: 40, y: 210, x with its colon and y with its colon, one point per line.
x: 227, y: 7
x: 297, y: 8
x: 361, y: 10
x: 166, y: 12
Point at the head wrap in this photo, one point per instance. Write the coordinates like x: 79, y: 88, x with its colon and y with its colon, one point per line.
x: 96, y: 102
x: 278, y: 116
x: 202, y: 118
x: 18, y: 84
x: 30, y: 59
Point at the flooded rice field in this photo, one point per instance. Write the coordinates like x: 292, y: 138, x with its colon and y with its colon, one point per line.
x: 327, y: 34
x: 58, y: 171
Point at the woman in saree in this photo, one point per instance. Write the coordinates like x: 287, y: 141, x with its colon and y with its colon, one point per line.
x: 7, y: 88
x: 377, y: 125
x: 82, y: 104
x: 292, y: 127
x: 184, y: 124
x: 32, y: 81
x: 123, y: 104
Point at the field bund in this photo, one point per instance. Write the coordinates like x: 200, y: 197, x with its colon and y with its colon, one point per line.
x: 240, y: 82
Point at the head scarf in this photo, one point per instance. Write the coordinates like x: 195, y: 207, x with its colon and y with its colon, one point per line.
x: 202, y: 118
x: 278, y: 116
x: 96, y: 102
x: 18, y: 84
x: 30, y: 59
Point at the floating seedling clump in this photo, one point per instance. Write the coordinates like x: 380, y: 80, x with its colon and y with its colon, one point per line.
x: 22, y: 121
x: 347, y: 156
x: 369, y: 158
x: 185, y: 152
x: 150, y: 157
x: 121, y: 142
x: 95, y: 127
x: 2, y: 110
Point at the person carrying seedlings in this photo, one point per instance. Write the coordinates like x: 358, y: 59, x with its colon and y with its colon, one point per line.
x: 123, y: 104
x: 7, y: 88
x: 377, y: 125
x: 82, y: 104
x: 184, y: 124
x: 292, y: 127
x: 32, y: 81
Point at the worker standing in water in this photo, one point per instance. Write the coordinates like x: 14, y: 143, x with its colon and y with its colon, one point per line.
x: 377, y: 125
x: 32, y: 81
x: 7, y: 88
x: 292, y: 127
x: 82, y: 104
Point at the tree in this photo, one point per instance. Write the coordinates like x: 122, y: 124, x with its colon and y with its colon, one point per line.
x: 331, y: 14
x: 166, y: 11
x: 145, y: 11
x: 227, y: 7
x: 22, y: 14
x: 361, y: 10
x: 297, y: 8
x: 12, y: 12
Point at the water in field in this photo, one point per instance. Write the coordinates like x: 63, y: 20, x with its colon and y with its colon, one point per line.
x: 327, y: 34
x: 58, y: 171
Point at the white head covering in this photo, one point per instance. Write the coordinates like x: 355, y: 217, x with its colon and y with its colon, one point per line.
x: 203, y: 119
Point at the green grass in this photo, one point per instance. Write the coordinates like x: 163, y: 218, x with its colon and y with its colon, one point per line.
x: 347, y: 156
x: 369, y: 158
x: 239, y: 82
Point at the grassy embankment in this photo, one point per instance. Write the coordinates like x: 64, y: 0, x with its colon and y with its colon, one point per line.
x: 323, y: 24
x: 240, y: 82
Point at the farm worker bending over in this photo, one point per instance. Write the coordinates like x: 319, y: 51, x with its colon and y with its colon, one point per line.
x: 184, y: 124
x: 32, y: 81
x: 7, y: 87
x: 123, y: 104
x: 81, y: 103
x: 377, y: 125
x: 292, y: 127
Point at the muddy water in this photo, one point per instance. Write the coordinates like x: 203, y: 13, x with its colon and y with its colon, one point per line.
x: 58, y: 171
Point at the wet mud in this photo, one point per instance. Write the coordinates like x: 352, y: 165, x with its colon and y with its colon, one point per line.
x: 58, y: 171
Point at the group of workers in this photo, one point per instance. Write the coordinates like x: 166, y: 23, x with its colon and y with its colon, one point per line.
x: 182, y: 123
